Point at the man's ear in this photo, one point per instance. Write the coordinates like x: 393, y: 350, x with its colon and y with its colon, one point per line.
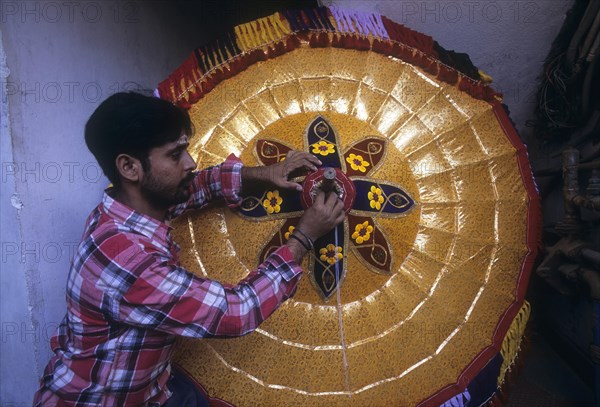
x: 129, y: 168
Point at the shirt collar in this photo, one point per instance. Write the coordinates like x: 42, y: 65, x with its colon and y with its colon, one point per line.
x: 140, y: 223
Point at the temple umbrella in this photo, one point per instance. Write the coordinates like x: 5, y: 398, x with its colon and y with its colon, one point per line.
x: 418, y: 297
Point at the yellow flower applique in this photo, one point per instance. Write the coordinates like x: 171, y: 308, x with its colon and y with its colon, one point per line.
x: 323, y: 148
x: 289, y: 233
x: 362, y: 232
x: 357, y: 162
x: 331, y: 254
x: 375, y: 197
x: 273, y: 202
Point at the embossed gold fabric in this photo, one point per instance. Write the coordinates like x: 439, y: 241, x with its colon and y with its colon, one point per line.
x: 457, y: 255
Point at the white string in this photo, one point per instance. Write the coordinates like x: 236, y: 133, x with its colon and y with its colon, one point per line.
x: 339, y: 310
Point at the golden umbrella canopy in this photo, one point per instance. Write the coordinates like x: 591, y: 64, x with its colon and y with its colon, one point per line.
x: 426, y: 300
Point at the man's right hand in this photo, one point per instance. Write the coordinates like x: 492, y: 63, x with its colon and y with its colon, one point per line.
x: 326, y: 213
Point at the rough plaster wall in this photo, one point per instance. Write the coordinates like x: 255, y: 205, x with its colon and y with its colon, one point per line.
x: 507, y: 39
x: 15, y: 317
x: 64, y: 58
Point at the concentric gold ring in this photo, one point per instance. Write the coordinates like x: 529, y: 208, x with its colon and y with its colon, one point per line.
x: 457, y: 256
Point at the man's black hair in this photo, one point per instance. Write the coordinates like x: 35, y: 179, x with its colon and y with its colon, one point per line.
x: 132, y: 123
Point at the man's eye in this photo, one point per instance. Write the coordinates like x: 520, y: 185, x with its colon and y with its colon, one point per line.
x: 176, y: 154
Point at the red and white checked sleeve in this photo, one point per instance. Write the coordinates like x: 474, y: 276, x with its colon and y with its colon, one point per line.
x: 220, y: 181
x: 171, y: 299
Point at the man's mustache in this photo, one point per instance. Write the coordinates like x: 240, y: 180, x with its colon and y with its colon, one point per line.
x: 189, y: 178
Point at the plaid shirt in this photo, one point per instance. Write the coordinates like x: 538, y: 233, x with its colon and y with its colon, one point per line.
x: 128, y: 299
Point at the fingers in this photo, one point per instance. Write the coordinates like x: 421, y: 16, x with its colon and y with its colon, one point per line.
x: 339, y: 205
x: 304, y: 156
x: 338, y: 212
x: 334, y: 207
x: 320, y: 198
x: 332, y: 199
x: 326, y: 213
x: 293, y: 185
x: 341, y: 216
x: 299, y: 159
x: 328, y: 199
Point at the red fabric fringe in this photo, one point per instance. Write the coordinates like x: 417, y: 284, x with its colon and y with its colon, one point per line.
x: 319, y: 40
x: 194, y: 88
x: 405, y: 35
x: 407, y: 45
x: 447, y: 74
x: 184, y: 72
x: 429, y: 65
x: 477, y: 90
x: 279, y: 48
x: 382, y: 47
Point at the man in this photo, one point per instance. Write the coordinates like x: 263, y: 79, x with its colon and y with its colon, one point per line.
x: 127, y: 295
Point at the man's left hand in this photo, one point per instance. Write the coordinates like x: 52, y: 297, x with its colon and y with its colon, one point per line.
x: 278, y: 174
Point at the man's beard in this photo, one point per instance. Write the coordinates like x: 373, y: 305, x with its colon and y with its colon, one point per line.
x: 164, y: 196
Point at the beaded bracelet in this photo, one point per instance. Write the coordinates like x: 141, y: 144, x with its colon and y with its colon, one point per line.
x: 292, y: 236
x: 310, y: 242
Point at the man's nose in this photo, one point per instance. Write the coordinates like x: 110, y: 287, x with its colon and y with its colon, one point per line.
x: 190, y: 164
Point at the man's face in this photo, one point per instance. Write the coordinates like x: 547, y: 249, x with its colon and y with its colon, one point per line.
x: 167, y: 181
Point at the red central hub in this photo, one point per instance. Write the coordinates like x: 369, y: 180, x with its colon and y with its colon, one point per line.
x: 341, y: 185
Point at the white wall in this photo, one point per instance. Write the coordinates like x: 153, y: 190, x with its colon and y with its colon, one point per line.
x: 62, y: 60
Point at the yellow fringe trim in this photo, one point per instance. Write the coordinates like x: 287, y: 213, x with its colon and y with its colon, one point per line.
x: 260, y: 27
x: 239, y: 39
x: 281, y: 26
x: 228, y: 54
x: 221, y: 56
x: 512, y: 340
x: 254, y: 33
x: 334, y: 23
x: 259, y: 32
x: 485, y: 78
